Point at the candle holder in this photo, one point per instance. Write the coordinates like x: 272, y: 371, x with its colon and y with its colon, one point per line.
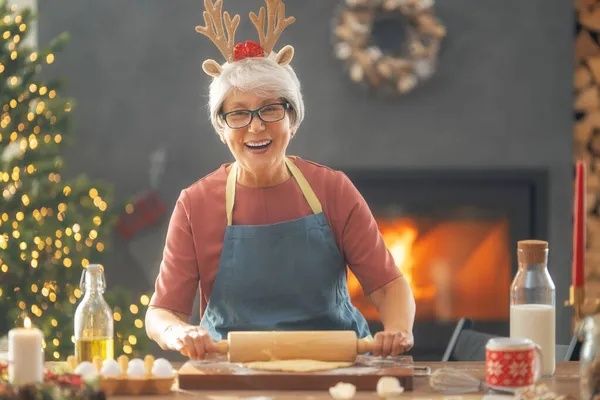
x: 581, y: 308
x: 576, y: 300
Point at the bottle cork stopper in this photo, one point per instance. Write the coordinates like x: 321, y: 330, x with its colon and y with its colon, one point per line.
x: 97, y: 361
x: 532, y: 251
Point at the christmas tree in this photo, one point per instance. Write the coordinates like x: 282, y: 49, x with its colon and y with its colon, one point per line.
x: 50, y: 227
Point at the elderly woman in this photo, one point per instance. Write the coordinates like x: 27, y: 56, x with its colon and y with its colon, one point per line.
x: 267, y: 239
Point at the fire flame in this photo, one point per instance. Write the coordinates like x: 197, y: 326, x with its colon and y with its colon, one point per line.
x: 27, y: 322
x: 454, y: 268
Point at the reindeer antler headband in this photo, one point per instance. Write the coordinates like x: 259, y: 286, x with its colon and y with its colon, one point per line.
x: 216, y: 22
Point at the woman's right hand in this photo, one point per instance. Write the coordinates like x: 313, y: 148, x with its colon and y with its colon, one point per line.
x: 191, y: 341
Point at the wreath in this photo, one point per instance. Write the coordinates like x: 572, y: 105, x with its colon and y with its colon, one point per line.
x: 407, y: 62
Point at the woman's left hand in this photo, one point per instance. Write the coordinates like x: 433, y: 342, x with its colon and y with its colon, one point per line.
x: 392, y: 343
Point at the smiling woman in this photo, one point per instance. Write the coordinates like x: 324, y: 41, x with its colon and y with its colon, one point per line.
x: 268, y: 237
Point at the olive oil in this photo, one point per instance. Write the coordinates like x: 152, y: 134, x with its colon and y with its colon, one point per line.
x: 94, y: 322
x: 88, y: 348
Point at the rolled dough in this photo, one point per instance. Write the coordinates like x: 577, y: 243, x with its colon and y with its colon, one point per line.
x: 297, y: 365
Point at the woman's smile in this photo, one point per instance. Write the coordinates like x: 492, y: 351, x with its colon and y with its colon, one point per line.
x: 258, y: 146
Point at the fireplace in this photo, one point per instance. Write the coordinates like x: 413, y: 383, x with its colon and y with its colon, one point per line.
x: 453, y: 234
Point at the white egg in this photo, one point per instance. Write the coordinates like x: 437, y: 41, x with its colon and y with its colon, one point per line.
x: 342, y: 391
x: 86, y: 369
x: 111, y: 369
x: 136, y: 368
x: 162, y: 368
x: 388, y: 386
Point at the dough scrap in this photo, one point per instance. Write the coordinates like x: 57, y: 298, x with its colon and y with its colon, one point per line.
x: 297, y: 365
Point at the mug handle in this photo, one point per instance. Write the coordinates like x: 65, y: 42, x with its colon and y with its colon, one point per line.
x: 539, y: 358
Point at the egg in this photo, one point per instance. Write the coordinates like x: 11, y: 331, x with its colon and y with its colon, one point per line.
x: 342, y: 391
x: 136, y: 368
x: 111, y: 369
x: 162, y: 368
x: 388, y: 386
x: 86, y: 369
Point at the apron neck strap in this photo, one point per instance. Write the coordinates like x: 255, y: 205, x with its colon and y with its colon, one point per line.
x: 309, y: 194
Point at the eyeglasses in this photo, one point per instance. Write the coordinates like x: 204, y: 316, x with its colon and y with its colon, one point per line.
x: 268, y: 113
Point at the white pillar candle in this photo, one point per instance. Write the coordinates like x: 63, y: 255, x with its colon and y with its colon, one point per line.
x: 25, y: 355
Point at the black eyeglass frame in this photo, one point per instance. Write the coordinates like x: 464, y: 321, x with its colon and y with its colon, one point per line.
x: 256, y: 112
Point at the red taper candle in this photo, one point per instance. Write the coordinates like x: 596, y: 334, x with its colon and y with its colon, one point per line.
x: 579, y: 226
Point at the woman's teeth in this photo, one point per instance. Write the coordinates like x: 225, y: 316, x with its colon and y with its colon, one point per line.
x: 259, y: 145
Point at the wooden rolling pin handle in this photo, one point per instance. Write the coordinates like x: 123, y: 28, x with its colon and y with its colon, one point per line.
x: 364, y: 346
x: 222, y: 347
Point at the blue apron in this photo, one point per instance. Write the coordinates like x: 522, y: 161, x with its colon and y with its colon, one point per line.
x: 285, y: 276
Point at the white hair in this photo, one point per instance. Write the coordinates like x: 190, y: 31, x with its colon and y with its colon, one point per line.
x: 261, y: 76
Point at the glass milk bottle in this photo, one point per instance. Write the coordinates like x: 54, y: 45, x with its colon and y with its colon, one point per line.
x: 94, y: 322
x: 533, y: 301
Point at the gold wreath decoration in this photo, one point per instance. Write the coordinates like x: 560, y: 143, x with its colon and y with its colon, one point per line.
x: 364, y: 60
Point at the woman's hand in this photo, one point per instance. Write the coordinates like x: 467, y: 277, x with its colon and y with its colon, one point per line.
x: 392, y: 343
x: 190, y: 340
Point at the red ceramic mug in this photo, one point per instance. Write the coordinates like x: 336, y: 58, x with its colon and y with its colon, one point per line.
x: 512, y: 364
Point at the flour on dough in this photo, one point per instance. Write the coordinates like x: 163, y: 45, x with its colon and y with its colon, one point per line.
x: 297, y: 365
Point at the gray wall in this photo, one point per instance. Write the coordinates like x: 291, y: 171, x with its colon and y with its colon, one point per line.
x: 501, y: 98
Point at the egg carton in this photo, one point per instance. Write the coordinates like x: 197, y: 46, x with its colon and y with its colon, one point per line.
x: 123, y: 384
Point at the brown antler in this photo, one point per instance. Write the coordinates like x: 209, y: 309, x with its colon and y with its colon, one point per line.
x: 213, y: 20
x: 275, y: 9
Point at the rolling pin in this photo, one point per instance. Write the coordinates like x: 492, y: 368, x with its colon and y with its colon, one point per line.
x: 245, y: 346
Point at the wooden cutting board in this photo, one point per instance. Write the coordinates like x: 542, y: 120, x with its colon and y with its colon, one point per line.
x: 218, y: 374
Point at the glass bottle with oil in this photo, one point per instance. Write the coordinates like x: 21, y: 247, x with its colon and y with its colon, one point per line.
x: 94, y: 323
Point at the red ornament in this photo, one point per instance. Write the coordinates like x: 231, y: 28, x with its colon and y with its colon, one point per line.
x: 148, y: 209
x: 50, y: 376
x: 248, y: 49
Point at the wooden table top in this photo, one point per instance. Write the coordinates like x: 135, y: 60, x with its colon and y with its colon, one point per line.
x: 565, y: 382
